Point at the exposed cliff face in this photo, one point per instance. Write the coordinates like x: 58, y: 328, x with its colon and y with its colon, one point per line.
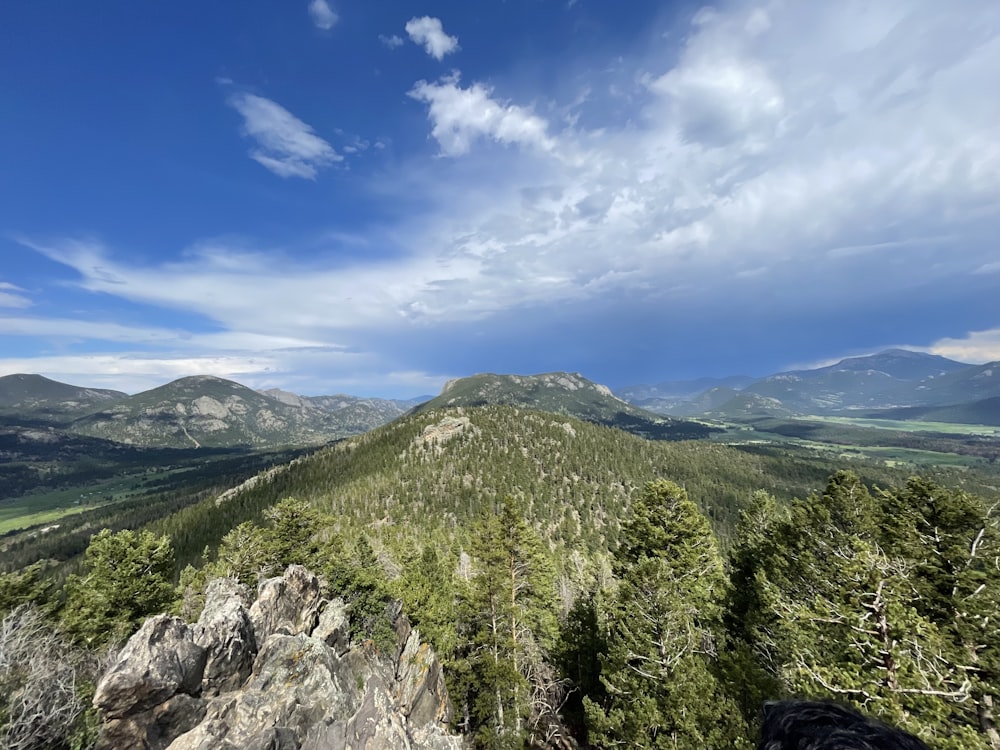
x: 279, y: 674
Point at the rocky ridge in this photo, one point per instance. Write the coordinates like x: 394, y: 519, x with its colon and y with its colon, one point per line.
x: 278, y: 674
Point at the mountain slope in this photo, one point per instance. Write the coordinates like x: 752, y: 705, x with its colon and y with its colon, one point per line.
x: 435, y: 471
x: 973, y: 383
x: 37, y: 396
x: 351, y: 414
x: 681, y: 389
x: 203, y: 411
x: 561, y: 393
x: 889, y: 379
x: 901, y: 364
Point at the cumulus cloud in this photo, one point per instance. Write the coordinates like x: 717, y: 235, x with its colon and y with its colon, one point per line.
x: 429, y: 32
x: 10, y: 296
x: 977, y: 347
x: 285, y: 145
x: 322, y: 15
x: 776, y: 171
x: 462, y: 115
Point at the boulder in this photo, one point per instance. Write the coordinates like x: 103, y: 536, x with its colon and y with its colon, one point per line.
x: 287, y: 604
x: 333, y: 628
x: 281, y: 675
x: 154, y: 729
x: 423, y: 696
x: 225, y: 632
x: 160, y: 660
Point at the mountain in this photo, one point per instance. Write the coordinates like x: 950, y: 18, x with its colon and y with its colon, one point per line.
x: 901, y: 364
x: 889, y: 379
x: 437, y: 470
x: 680, y: 389
x: 743, y: 406
x: 986, y: 411
x: 206, y: 411
x: 35, y: 395
x: 197, y: 411
x: 562, y: 393
x: 353, y: 414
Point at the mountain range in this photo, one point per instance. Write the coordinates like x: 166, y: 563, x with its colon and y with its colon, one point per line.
x: 206, y: 411
x: 192, y: 412
x: 880, y: 384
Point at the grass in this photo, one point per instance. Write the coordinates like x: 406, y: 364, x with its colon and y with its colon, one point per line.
x: 944, y: 428
x: 823, y: 441
x: 48, y: 506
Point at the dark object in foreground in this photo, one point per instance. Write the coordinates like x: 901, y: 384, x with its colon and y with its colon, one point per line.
x: 815, y: 725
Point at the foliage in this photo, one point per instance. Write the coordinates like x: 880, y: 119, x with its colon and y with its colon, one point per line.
x: 507, y: 628
x: 886, y: 601
x: 660, y: 669
x: 127, y: 576
x: 28, y: 586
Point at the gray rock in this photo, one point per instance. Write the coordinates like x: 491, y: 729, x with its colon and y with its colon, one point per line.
x: 375, y: 726
x: 306, y: 688
x: 287, y: 604
x: 154, y: 729
x: 159, y: 661
x: 333, y: 628
x: 423, y: 696
x: 224, y: 630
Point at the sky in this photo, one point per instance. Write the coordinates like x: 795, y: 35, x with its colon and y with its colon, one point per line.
x: 331, y: 196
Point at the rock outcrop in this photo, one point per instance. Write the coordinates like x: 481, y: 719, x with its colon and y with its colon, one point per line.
x: 280, y: 674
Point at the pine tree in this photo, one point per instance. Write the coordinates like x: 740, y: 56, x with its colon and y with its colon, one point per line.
x: 508, y: 620
x: 855, y: 598
x: 660, y: 670
x: 127, y: 577
x: 954, y: 545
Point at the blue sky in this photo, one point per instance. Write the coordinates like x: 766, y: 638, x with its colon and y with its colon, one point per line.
x: 375, y: 197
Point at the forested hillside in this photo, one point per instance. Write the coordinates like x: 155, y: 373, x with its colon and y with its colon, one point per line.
x: 582, y: 585
x: 433, y: 472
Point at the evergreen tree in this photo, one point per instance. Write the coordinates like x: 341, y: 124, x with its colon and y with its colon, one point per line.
x: 247, y: 552
x: 127, y: 576
x: 291, y: 536
x: 660, y: 670
x: 865, y: 599
x: 428, y: 593
x: 509, y: 625
x: 28, y: 586
x: 954, y: 546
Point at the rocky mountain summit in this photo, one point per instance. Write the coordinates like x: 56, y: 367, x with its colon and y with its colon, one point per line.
x: 566, y: 393
x: 278, y: 674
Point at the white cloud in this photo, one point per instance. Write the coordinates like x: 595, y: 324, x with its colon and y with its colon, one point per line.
x: 392, y: 42
x: 976, y: 347
x: 430, y: 33
x: 461, y: 115
x: 286, y: 145
x: 10, y: 297
x: 132, y: 373
x: 322, y: 15
x: 845, y: 148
